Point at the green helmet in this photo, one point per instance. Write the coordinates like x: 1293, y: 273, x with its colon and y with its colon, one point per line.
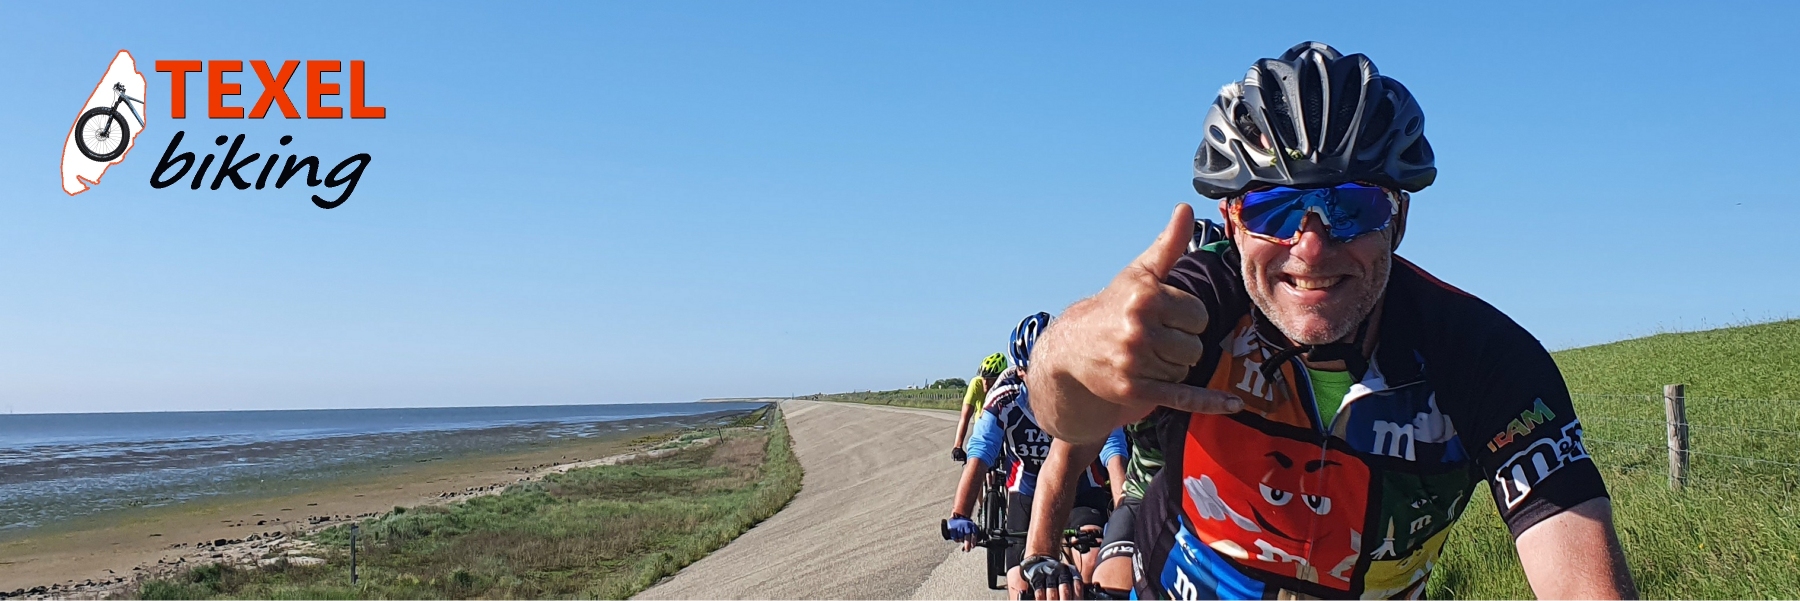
x: 993, y: 365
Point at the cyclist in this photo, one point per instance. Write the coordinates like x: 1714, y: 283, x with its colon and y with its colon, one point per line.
x: 1006, y: 425
x: 1322, y: 407
x: 972, y: 398
x: 1111, y: 575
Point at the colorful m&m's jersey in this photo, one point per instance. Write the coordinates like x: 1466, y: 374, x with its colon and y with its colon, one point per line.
x: 1275, y: 502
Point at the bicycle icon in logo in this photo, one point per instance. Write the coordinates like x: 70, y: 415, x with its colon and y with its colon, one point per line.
x: 102, y: 133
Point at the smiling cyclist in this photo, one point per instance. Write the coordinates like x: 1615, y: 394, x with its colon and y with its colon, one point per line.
x: 1006, y: 426
x: 1322, y: 408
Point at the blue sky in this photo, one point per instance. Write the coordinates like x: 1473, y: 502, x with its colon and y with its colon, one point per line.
x: 635, y: 202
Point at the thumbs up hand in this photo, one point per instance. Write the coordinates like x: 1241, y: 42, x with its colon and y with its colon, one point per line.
x: 1114, y: 357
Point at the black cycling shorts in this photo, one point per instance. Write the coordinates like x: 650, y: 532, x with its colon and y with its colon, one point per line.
x: 1091, y: 508
x: 1120, y: 539
x: 1119, y: 526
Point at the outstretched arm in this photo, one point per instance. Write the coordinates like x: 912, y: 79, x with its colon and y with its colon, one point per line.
x: 1055, y: 498
x: 962, y: 426
x: 964, y: 503
x: 973, y: 398
x: 984, y: 453
x: 966, y: 489
x: 1113, y: 455
x: 1114, y: 357
x: 1576, y: 555
x: 1115, y: 473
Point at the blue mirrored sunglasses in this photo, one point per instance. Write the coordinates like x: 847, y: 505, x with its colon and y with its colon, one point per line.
x: 1346, y: 210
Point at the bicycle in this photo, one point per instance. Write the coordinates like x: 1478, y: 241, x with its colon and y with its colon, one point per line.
x: 991, y: 508
x: 94, y: 131
x: 993, y: 535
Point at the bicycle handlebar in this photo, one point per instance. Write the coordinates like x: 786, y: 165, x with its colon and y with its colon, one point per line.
x: 1081, y: 541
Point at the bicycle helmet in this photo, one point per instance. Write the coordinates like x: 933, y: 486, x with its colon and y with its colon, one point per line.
x: 1205, y: 232
x: 993, y: 365
x: 1024, y: 336
x: 1313, y: 117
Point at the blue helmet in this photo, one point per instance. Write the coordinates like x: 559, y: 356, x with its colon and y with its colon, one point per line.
x: 1024, y: 336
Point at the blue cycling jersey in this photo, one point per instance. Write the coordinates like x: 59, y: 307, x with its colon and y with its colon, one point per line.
x: 1006, y: 424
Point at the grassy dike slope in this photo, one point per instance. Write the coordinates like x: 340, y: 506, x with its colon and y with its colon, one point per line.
x: 601, y: 532
x: 1735, y: 532
x: 917, y: 398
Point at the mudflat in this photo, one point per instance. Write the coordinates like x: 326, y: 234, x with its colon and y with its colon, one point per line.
x: 121, y: 544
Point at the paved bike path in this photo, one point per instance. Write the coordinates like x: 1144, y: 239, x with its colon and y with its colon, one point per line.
x: 865, y: 524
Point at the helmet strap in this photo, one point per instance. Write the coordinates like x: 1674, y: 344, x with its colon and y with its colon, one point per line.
x: 1399, y: 225
x: 1351, y: 353
x: 1225, y: 215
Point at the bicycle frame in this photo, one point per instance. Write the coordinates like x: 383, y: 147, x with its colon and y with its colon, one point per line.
x: 125, y: 99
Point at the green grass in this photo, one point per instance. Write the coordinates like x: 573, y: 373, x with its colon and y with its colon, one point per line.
x: 924, y: 398
x: 1735, y: 531
x: 603, y: 532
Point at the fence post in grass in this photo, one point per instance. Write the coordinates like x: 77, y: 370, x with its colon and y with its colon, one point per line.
x: 1675, y: 408
x: 353, y: 529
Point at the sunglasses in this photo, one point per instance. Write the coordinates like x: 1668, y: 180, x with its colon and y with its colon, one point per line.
x: 1347, y: 211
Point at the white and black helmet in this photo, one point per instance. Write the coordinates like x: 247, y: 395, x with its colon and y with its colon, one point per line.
x: 1206, y: 231
x: 1313, y: 117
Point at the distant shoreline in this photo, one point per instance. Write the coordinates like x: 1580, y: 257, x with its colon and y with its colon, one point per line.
x: 120, y: 544
x: 64, y: 467
x: 748, y: 399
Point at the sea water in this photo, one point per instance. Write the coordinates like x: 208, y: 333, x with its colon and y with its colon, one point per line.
x: 60, y: 466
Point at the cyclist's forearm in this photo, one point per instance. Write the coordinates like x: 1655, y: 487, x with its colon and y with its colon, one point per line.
x: 1055, y: 496
x: 1576, y: 555
x: 1049, y: 510
x: 964, y: 503
x: 962, y: 428
x: 1115, y: 474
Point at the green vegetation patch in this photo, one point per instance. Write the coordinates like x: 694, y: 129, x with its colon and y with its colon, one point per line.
x: 1734, y: 532
x: 603, y: 532
x: 923, y: 398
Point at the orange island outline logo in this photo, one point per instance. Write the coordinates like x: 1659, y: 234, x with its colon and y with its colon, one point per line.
x: 100, y: 136
x: 110, y: 122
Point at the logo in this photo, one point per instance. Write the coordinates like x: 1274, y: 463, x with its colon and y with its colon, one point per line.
x: 104, y: 130
x: 1528, y: 420
x: 103, y: 133
x: 1538, y: 461
x: 1396, y: 438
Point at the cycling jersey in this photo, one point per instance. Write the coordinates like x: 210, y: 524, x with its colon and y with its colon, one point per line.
x: 1274, y: 501
x: 976, y: 392
x: 1006, y: 423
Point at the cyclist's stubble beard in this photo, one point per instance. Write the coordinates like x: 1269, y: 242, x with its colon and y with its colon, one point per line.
x: 1364, y: 263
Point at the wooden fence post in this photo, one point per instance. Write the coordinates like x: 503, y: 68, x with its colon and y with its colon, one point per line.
x: 1675, y: 408
x: 353, y: 529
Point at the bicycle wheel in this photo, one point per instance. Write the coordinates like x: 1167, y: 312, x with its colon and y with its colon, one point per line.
x: 993, y: 520
x: 101, y: 134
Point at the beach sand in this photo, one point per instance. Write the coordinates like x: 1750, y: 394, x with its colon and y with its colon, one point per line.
x: 89, y: 557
